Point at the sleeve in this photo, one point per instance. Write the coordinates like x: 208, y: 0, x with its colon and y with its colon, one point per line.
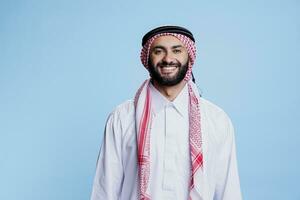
x: 109, y: 170
x: 228, y: 183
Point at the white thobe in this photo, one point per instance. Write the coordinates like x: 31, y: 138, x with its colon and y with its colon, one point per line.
x: 117, y: 171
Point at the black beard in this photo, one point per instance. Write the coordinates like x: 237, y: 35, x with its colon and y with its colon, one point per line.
x: 168, y: 81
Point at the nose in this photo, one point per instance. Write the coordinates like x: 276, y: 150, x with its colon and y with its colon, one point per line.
x: 168, y: 58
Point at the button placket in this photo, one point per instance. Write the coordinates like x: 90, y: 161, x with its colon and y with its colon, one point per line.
x: 169, y: 153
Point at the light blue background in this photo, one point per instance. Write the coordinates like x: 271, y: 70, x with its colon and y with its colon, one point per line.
x: 64, y: 65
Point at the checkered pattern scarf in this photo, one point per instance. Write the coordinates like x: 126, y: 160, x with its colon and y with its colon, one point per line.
x: 143, y: 112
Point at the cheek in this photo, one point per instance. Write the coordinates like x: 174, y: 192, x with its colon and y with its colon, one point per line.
x: 184, y: 59
x: 154, y: 60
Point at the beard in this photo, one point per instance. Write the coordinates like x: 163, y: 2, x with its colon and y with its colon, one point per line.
x: 167, y: 80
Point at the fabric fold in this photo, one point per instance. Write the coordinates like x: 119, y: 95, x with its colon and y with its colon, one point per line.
x: 143, y: 118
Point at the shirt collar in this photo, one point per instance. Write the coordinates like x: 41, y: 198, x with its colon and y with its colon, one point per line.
x: 180, y: 103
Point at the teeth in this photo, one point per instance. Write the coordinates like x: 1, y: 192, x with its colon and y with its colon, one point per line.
x: 168, y: 69
x: 168, y: 66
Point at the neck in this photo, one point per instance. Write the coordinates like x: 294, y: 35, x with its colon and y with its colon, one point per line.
x: 170, y: 92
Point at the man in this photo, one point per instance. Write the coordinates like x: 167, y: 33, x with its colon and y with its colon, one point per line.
x: 169, y: 143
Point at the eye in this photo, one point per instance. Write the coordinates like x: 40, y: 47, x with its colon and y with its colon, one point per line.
x: 157, y: 51
x: 177, y: 51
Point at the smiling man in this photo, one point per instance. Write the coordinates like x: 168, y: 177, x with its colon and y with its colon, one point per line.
x: 169, y: 142
x: 166, y: 70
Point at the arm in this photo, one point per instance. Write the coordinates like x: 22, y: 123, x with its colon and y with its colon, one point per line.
x: 109, y: 170
x: 228, y: 185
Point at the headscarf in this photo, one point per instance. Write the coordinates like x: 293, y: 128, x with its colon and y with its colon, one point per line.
x: 143, y: 113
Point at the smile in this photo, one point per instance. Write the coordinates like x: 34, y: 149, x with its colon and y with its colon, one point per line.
x: 168, y: 69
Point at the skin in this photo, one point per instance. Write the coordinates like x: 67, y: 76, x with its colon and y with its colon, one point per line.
x: 168, y: 56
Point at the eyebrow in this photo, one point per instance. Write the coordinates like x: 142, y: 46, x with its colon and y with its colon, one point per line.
x: 176, y: 46
x: 162, y: 47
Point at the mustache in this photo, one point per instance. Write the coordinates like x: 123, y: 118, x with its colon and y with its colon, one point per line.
x: 170, y: 64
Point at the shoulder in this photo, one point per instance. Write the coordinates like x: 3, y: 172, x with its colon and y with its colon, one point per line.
x: 216, y: 120
x: 213, y: 110
x: 124, y: 108
x: 122, y: 116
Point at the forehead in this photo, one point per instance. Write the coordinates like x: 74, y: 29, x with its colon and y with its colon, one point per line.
x: 167, y: 41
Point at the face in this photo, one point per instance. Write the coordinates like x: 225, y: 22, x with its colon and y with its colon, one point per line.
x: 168, y: 61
